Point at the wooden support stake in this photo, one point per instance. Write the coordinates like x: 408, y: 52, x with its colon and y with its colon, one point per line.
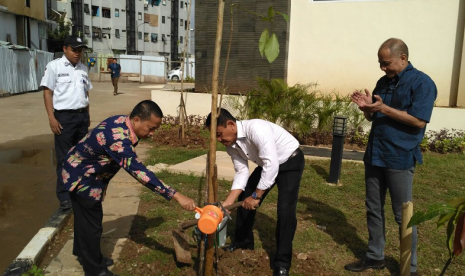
x: 406, y: 239
x: 214, y: 106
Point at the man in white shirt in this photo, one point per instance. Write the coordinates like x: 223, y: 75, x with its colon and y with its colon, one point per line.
x: 66, y: 88
x: 280, y: 161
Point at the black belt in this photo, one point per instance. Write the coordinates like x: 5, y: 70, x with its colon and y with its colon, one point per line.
x: 80, y: 110
x: 297, y: 151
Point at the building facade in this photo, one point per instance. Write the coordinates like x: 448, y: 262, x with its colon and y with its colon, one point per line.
x: 144, y: 27
x: 245, y: 61
x: 24, y: 22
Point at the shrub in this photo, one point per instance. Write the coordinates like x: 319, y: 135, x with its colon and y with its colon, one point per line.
x: 444, y: 141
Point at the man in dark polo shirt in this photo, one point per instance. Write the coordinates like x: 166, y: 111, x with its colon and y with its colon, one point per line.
x: 399, y: 109
x: 115, y: 69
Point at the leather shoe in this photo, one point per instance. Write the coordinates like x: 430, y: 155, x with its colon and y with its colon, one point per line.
x: 365, y: 264
x: 106, y: 272
x: 232, y: 247
x: 281, y: 271
x: 65, y: 204
x: 107, y: 261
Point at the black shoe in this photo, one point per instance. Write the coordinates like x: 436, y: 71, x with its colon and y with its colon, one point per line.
x: 365, y: 264
x: 107, y: 261
x: 232, y: 247
x: 281, y: 271
x: 106, y: 272
x: 65, y: 205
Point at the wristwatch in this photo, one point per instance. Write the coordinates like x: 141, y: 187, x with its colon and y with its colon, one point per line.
x: 255, y: 196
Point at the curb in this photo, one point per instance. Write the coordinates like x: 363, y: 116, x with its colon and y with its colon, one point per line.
x: 33, y: 251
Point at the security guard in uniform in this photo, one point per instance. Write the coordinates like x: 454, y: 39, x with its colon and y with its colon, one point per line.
x: 66, y: 88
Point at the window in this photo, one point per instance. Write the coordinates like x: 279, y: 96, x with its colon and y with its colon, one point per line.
x: 163, y: 38
x: 95, y: 34
x: 185, y: 26
x: 106, y: 12
x: 28, y: 3
x: 180, y: 39
x: 95, y: 11
x: 87, y: 30
x: 163, y: 19
x: 181, y: 22
x: 117, y: 33
x: 146, y: 37
x: 139, y: 35
x: 164, y: 2
x: 106, y: 36
x: 182, y: 4
x: 116, y: 12
x: 154, y: 38
x: 86, y: 8
x: 139, y: 16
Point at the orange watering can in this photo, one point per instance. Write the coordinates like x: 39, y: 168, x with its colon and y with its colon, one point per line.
x: 210, y: 217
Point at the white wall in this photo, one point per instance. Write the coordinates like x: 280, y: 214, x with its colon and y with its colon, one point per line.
x: 336, y: 43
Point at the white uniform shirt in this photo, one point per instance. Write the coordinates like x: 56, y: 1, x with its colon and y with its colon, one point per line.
x: 70, y: 84
x: 266, y: 144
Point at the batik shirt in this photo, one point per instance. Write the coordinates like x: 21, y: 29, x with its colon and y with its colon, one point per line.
x: 94, y: 161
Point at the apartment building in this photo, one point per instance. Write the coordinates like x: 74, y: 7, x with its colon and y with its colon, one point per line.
x: 144, y: 27
x: 24, y: 22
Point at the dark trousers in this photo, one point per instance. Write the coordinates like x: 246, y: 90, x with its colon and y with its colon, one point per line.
x: 88, y: 216
x: 75, y: 126
x: 114, y: 81
x: 378, y: 181
x: 288, y: 182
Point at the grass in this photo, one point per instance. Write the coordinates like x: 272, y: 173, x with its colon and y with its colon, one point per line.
x: 331, y: 220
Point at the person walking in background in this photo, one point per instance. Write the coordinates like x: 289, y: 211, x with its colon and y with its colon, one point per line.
x: 400, y: 108
x: 115, y: 70
x: 90, y: 166
x: 279, y: 161
x: 66, y: 88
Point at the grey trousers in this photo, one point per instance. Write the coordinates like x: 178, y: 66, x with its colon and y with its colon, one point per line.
x: 399, y: 182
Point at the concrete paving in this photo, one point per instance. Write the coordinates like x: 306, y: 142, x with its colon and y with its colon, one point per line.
x: 24, y: 128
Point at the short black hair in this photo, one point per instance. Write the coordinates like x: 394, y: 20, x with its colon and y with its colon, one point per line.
x: 224, y: 117
x: 145, y: 109
x: 115, y: 59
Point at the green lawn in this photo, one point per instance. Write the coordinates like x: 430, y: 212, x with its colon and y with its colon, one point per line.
x: 331, y: 220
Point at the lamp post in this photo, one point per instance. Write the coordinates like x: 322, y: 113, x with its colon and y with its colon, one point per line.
x: 339, y: 128
x: 137, y: 51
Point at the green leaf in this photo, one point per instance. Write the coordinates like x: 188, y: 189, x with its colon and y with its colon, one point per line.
x: 456, y: 202
x: 286, y: 17
x: 450, y: 237
x: 262, y: 42
x: 432, y: 212
x: 443, y: 219
x: 272, y: 48
x: 271, y: 13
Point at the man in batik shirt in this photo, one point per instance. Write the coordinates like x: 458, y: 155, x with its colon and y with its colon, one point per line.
x: 93, y: 162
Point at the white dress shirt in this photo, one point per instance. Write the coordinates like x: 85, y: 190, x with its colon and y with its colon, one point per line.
x: 266, y: 144
x: 70, y: 84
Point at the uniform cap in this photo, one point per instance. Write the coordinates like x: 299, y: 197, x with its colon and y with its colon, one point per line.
x: 74, y: 41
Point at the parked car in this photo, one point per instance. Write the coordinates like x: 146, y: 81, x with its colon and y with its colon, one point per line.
x: 175, y: 74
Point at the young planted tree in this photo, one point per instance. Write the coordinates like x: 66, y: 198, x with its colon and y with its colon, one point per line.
x: 451, y: 214
x: 269, y: 47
